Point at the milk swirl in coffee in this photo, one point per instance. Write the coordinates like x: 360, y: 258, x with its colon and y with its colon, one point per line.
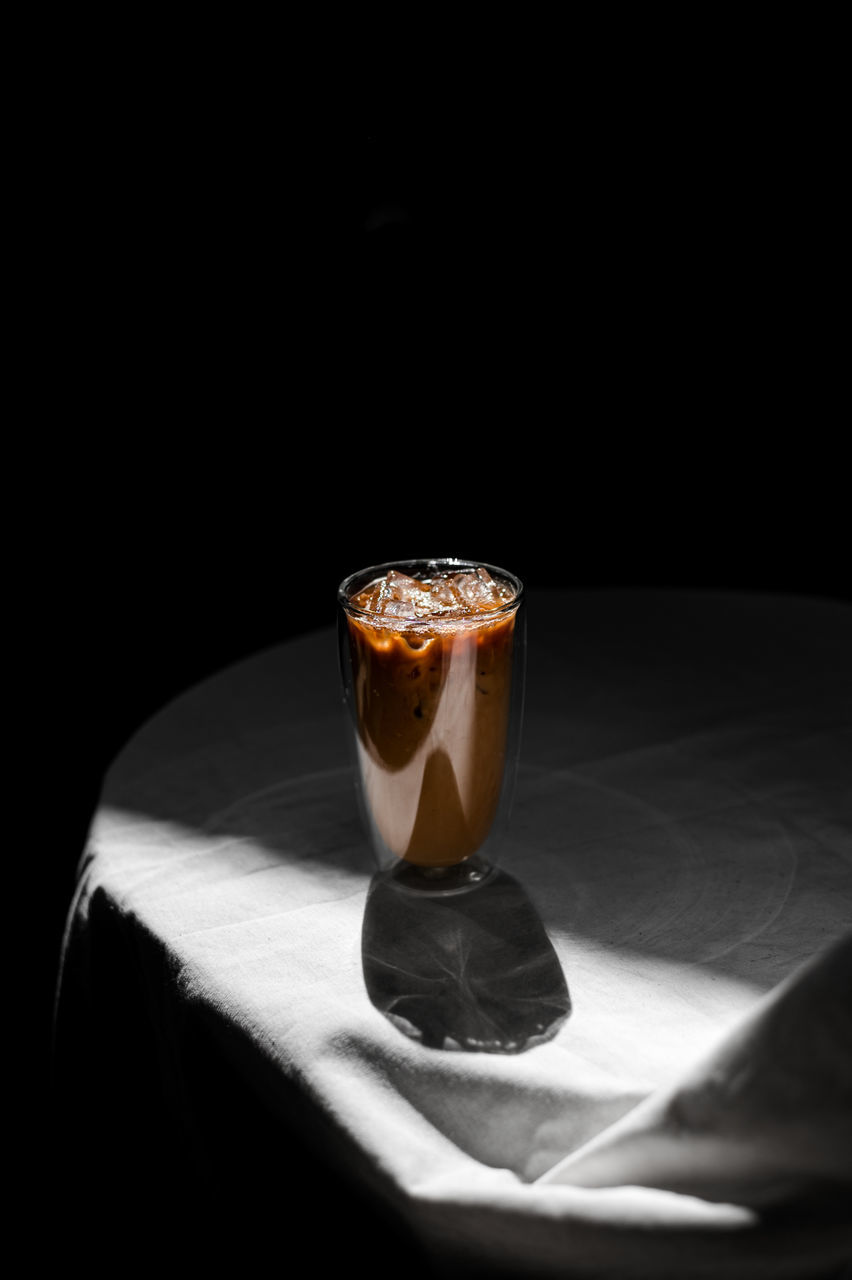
x: 432, y: 671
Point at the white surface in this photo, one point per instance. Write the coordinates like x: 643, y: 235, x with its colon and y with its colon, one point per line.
x: 683, y: 827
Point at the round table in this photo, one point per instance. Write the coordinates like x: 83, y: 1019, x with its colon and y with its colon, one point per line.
x: 628, y: 1054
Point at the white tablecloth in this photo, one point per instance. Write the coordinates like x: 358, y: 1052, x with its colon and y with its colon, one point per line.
x: 630, y: 1056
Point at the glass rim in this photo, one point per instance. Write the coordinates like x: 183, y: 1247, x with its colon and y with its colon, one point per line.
x: 371, y: 572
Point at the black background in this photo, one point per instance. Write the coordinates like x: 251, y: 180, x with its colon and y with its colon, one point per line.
x: 599, y: 357
x: 587, y: 335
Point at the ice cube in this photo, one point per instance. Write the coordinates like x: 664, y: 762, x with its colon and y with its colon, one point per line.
x: 395, y: 609
x: 402, y: 587
x: 478, y: 589
x: 447, y: 595
x: 370, y: 598
x: 429, y: 608
x: 443, y: 595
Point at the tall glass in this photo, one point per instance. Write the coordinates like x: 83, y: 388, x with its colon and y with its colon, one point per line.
x: 432, y: 658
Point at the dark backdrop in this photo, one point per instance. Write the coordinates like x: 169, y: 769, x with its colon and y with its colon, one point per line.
x: 599, y: 356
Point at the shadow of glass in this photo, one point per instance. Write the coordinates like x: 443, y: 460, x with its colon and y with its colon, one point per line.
x: 473, y: 972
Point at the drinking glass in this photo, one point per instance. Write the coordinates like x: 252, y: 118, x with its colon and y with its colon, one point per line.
x: 432, y: 661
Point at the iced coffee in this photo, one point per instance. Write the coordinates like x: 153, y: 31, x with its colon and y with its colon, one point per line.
x: 431, y: 651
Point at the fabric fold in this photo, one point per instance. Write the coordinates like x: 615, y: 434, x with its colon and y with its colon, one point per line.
x: 764, y: 1121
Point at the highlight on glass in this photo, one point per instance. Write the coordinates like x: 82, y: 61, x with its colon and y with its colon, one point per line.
x: 432, y: 660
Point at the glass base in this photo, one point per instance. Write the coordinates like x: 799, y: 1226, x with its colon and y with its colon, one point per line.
x: 459, y: 878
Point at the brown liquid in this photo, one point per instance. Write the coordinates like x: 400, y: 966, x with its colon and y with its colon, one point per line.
x: 432, y: 707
